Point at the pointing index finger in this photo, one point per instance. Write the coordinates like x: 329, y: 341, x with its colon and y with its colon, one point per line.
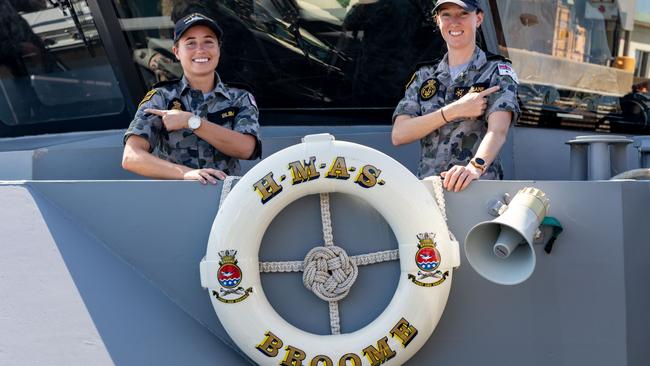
x: 489, y: 91
x: 157, y: 112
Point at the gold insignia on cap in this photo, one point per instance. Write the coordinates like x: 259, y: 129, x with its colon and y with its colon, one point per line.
x: 428, y: 89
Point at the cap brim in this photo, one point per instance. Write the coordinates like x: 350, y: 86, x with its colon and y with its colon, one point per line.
x: 460, y: 3
x: 214, y: 27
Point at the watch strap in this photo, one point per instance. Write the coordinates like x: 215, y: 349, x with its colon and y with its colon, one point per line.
x: 478, y: 163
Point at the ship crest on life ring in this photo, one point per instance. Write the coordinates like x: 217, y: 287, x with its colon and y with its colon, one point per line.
x: 428, y: 259
x: 229, y: 276
x: 229, y: 273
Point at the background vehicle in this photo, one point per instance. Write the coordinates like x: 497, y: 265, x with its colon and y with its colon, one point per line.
x: 84, y: 65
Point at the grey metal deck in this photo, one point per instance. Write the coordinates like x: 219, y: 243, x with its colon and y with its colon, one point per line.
x: 98, y: 272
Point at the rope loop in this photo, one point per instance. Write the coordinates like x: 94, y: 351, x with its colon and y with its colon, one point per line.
x: 329, y: 272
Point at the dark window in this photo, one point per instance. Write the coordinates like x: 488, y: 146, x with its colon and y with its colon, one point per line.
x: 52, y: 65
x: 297, y: 55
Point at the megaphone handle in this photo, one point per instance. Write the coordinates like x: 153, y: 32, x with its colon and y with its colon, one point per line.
x: 549, y: 245
x: 557, y: 229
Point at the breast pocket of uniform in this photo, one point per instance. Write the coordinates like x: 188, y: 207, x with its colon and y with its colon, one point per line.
x: 224, y: 117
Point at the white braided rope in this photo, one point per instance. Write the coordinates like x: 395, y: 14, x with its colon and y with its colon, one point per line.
x: 342, y: 288
x: 439, y: 195
x: 228, y: 183
x: 326, y: 219
x: 359, y: 260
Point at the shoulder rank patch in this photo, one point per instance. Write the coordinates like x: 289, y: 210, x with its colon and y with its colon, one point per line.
x: 496, y: 57
x: 147, y: 97
x: 163, y: 83
x: 251, y: 99
x: 410, y: 81
x: 242, y: 86
x: 176, y: 104
x: 428, y: 89
x: 505, y: 69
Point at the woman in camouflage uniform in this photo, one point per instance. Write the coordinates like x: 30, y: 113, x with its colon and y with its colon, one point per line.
x: 461, y: 107
x: 195, y: 128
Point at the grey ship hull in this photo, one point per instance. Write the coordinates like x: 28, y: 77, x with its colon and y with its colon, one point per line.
x: 106, y: 272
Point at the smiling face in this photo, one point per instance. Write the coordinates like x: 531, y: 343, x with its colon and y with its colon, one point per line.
x: 458, y: 26
x: 198, y: 51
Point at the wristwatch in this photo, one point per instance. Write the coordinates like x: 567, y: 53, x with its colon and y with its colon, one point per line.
x: 478, y: 163
x: 194, y: 122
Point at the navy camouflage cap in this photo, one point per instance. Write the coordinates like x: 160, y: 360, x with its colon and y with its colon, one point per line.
x: 191, y: 20
x: 469, y: 5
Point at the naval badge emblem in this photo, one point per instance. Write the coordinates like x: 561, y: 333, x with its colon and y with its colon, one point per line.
x: 428, y: 259
x: 229, y: 277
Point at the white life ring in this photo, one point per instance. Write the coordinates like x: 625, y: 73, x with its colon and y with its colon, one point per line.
x: 405, y: 203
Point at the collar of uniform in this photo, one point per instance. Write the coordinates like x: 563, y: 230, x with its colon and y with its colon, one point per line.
x: 185, y: 86
x: 476, y: 62
x: 219, y: 87
x: 478, y: 59
x: 443, y: 65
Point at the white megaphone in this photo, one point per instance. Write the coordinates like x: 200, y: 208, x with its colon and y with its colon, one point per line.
x: 501, y: 250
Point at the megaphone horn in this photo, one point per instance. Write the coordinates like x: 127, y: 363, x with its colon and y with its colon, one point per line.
x: 501, y: 250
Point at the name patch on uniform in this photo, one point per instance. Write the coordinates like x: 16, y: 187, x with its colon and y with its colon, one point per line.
x: 147, y: 97
x: 505, y: 69
x: 223, y: 116
x: 176, y: 104
x: 479, y: 87
x: 428, y: 89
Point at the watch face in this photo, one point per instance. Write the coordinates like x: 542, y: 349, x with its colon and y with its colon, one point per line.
x: 194, y: 122
x: 479, y: 161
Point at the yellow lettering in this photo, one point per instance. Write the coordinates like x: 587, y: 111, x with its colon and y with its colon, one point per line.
x: 367, y: 176
x: 338, y: 170
x: 267, y: 187
x: 356, y: 360
x: 321, y: 358
x: 293, y: 357
x: 381, y: 355
x: 404, y: 331
x: 302, y: 173
x: 270, y: 345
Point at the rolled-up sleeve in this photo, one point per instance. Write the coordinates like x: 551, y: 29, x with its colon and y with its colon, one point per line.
x: 247, y: 121
x: 147, y: 125
x: 506, y: 98
x: 410, y: 103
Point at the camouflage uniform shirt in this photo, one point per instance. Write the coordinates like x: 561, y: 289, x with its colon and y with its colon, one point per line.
x: 226, y: 106
x: 455, y: 143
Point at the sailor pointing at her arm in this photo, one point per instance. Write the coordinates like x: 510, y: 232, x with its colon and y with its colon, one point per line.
x: 195, y: 128
x: 461, y: 107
